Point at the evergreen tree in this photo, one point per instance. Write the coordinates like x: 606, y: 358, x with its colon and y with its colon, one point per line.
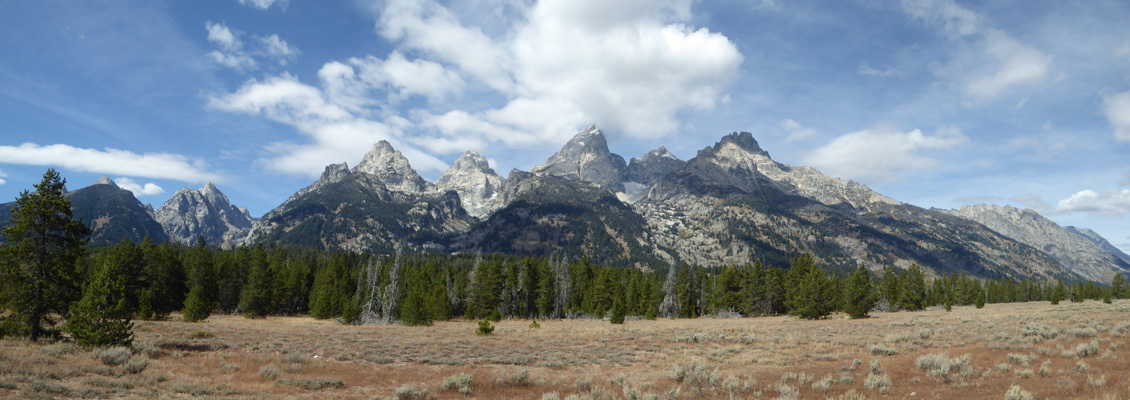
x: 102, y: 316
x: 37, y: 262
x: 201, y: 298
x: 814, y: 296
x: 326, y: 296
x: 1106, y: 296
x: 255, y: 299
x: 859, y: 298
x: 891, y: 288
x: 1118, y: 287
x: 1058, y: 293
x: 618, y: 311
x: 912, y: 296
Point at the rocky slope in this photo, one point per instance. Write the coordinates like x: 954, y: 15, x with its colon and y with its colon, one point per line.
x: 476, y: 183
x: 586, y: 157
x: 111, y: 212
x: 206, y: 212
x: 379, y: 206
x: 1080, y: 252
x: 732, y: 203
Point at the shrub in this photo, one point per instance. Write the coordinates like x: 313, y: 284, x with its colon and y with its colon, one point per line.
x: 1016, y: 393
x: 1082, y: 366
x: 1024, y: 373
x: 61, y: 349
x: 520, y: 378
x: 115, y: 356
x: 410, y: 392
x: 1087, y: 349
x: 314, y: 383
x: 137, y: 364
x: 201, y: 335
x: 883, y: 350
x: 460, y: 382
x: 852, y: 395
x: 535, y: 325
x: 485, y: 328
x: 1096, y: 382
x: 940, y: 365
x: 882, y: 383
x: 270, y: 371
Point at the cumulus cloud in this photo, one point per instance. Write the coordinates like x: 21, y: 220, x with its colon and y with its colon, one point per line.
x: 264, y: 4
x: 109, y: 161
x: 234, y: 55
x: 631, y: 67
x: 882, y: 154
x: 795, y: 131
x: 1117, y: 110
x: 628, y: 66
x: 1112, y: 204
x: 990, y: 61
x: 138, y: 190
x: 337, y: 134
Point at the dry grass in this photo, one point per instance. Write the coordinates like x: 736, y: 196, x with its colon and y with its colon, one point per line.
x: 935, y: 355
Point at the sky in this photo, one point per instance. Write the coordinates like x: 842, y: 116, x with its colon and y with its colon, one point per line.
x: 936, y: 103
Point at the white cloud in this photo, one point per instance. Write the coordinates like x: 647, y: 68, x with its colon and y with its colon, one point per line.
x: 881, y: 73
x: 1117, y: 110
x: 796, y: 131
x: 882, y: 154
x: 631, y: 67
x: 278, y: 48
x: 989, y: 61
x: 138, y: 190
x: 232, y: 54
x: 628, y: 66
x: 337, y: 134
x: 1113, y: 204
x: 264, y: 4
x: 2, y: 176
x: 109, y: 161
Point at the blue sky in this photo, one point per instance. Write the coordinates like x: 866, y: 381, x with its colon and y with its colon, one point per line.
x: 935, y: 103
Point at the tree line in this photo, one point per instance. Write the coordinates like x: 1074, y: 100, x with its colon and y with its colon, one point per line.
x: 52, y: 277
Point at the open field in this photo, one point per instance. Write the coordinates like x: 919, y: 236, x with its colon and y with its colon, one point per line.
x: 1073, y: 350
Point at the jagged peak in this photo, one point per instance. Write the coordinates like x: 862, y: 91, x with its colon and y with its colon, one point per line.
x: 209, y: 188
x: 659, y: 152
x: 334, y: 172
x: 471, y: 160
x: 743, y: 140
x: 105, y: 180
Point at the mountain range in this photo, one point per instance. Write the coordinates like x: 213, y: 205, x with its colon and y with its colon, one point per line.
x: 729, y: 204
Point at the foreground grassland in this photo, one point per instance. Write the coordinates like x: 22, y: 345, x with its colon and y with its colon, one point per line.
x: 1073, y: 350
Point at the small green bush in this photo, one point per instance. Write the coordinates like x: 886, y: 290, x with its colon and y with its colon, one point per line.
x: 485, y: 328
x: 201, y: 335
x: 410, y: 392
x: 535, y: 325
x: 61, y: 349
x: 1016, y: 393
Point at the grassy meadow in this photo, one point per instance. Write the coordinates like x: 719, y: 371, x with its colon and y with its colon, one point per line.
x: 1071, y: 350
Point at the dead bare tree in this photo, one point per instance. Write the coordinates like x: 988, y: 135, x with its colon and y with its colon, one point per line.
x: 670, y: 306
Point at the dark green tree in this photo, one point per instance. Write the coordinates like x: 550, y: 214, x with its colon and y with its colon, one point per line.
x: 1118, y: 287
x: 37, y: 263
x: 255, y: 299
x: 201, y: 298
x: 891, y: 288
x: 618, y: 311
x: 813, y: 296
x: 859, y: 297
x: 1058, y: 293
x: 913, y: 294
x: 979, y: 301
x: 102, y: 316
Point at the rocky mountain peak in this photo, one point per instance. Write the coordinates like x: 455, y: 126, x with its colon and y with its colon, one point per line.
x: 653, y: 165
x: 105, y: 180
x: 203, y: 212
x: 1077, y: 251
x: 391, y: 168
x: 334, y: 173
x: 586, y: 157
x: 473, y: 179
x: 743, y: 140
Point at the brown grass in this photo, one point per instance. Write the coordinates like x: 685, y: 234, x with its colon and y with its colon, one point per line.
x: 701, y: 358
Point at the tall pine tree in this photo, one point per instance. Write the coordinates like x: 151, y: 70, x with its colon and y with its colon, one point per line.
x: 37, y: 263
x: 102, y: 316
x: 859, y: 297
x: 201, y: 298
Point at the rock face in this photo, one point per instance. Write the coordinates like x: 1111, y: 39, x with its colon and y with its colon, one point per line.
x: 732, y: 203
x: 586, y: 157
x: 391, y: 168
x: 1098, y: 239
x: 203, y: 212
x: 380, y: 206
x: 112, y: 213
x: 550, y: 215
x: 653, y: 165
x: 476, y: 183
x: 1081, y: 252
